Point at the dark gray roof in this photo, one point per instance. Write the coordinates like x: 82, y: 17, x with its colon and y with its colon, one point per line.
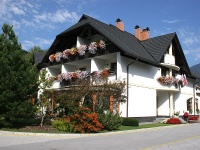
x: 125, y: 41
x: 157, y: 46
x: 195, y: 70
x: 150, y: 51
x: 38, y: 57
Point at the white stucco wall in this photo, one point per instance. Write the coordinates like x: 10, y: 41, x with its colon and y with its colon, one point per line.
x: 142, y: 102
x: 142, y: 94
x: 163, y: 103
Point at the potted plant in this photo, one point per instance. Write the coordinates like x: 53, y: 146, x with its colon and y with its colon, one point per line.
x: 58, y: 56
x: 66, y: 53
x: 52, y: 57
x: 92, y: 47
x: 73, y: 51
x: 101, y: 45
x: 81, y: 50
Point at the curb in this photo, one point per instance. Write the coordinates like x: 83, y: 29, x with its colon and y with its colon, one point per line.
x: 70, y: 135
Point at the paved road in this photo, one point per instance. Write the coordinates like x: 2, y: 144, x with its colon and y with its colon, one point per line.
x: 181, y: 137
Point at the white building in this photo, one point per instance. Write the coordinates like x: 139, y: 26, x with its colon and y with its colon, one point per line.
x: 159, y: 81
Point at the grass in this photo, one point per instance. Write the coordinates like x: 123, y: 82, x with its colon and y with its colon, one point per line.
x: 121, y: 128
x: 142, y: 126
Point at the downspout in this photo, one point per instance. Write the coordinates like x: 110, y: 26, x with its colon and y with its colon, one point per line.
x: 128, y: 84
x: 194, y: 93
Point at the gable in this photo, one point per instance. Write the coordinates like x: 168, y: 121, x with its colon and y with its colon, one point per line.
x: 160, y: 45
x: 122, y: 41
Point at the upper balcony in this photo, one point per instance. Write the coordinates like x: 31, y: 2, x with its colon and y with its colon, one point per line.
x: 169, y: 62
x: 75, y: 78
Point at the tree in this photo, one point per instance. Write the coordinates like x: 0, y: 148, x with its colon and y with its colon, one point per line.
x: 29, y: 55
x: 44, y: 105
x: 17, y: 79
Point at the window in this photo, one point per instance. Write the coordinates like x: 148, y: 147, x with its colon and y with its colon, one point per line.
x: 113, y: 66
x: 189, y: 105
x: 164, y: 71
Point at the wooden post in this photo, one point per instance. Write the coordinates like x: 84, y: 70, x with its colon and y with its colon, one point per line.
x: 33, y: 100
x: 118, y: 105
x: 111, y: 103
x: 52, y: 104
x: 94, y: 98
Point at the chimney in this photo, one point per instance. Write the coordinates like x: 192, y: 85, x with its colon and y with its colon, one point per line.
x: 120, y: 24
x: 141, y: 34
x: 137, y: 32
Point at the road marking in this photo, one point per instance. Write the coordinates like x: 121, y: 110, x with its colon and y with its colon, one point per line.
x: 170, y: 143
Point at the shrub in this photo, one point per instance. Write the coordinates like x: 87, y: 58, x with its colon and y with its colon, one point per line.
x: 173, y: 121
x: 85, y: 121
x: 130, y: 122
x: 25, y: 122
x: 110, y: 121
x: 193, y: 118
x: 62, y: 125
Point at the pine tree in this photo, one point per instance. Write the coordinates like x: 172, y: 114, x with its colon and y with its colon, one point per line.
x: 18, y: 78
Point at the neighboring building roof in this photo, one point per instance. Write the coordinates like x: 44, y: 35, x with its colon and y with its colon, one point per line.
x: 158, y: 46
x: 150, y: 51
x: 38, y: 57
x: 195, y: 70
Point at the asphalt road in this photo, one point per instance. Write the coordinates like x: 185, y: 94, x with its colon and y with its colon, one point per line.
x: 179, y: 137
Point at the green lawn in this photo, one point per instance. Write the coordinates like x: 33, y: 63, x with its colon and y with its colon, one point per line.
x: 142, y: 126
x: 121, y: 128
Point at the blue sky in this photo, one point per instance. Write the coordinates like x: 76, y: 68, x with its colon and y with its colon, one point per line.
x: 37, y: 22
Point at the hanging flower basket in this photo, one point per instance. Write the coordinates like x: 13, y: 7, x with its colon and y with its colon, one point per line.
x: 92, y: 47
x: 58, y: 56
x: 52, y: 57
x: 104, y: 74
x: 73, y: 51
x: 81, y: 50
x: 166, y: 80
x: 66, y: 54
x: 67, y: 76
x: 101, y: 45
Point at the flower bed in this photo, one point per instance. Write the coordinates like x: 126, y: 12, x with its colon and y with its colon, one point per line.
x: 173, y: 121
x: 193, y: 117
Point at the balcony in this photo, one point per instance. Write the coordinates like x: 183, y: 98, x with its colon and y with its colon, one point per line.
x: 76, y: 78
x: 170, y: 83
x: 55, y: 84
x: 169, y: 62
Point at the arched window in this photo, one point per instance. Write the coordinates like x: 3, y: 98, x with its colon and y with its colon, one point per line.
x: 189, y: 105
x: 197, y: 105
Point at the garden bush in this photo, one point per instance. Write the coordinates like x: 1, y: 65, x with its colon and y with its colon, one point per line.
x: 173, y: 121
x: 130, y: 122
x: 110, y: 121
x: 25, y: 122
x: 62, y: 125
x: 85, y: 121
